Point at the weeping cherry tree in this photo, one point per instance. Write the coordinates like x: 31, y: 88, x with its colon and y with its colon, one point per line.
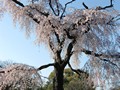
x: 69, y: 34
x: 14, y: 76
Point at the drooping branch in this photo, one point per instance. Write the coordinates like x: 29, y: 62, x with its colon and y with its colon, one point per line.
x: 45, y: 66
x: 78, y: 71
x: 109, y: 6
x: 102, y: 56
x: 88, y: 52
x: 64, y: 10
x: 110, y: 62
x: 116, y: 18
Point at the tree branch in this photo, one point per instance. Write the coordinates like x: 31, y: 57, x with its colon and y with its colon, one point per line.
x: 42, y: 13
x: 85, y: 5
x: 58, y: 10
x: 50, y: 4
x: 78, y: 71
x: 31, y: 16
x: 109, y: 6
x: 57, y: 36
x: 19, y: 3
x: 105, y: 60
x: 69, y: 52
x: 29, y: 13
x: 2, y: 71
x: 116, y: 18
x: 68, y: 34
x: 51, y: 46
x: 45, y: 66
x: 57, y: 52
x: 100, y: 55
x: 64, y: 10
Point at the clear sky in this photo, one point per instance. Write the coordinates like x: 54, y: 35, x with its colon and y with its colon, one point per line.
x: 16, y: 47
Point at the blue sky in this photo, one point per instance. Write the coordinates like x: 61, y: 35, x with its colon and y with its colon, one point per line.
x: 16, y: 47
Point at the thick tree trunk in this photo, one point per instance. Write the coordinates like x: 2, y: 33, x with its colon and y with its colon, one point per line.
x: 59, y: 77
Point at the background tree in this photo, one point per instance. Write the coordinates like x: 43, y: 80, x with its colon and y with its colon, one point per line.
x: 92, y: 31
x: 72, y: 81
x: 15, y: 76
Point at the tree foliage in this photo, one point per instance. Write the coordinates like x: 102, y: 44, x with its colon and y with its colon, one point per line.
x: 19, y: 77
x: 72, y: 81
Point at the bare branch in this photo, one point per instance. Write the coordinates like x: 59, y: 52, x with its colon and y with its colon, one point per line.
x: 57, y: 7
x: 45, y: 66
x: 18, y: 2
x: 50, y: 3
x: 109, y: 6
x: 64, y: 10
x: 85, y: 5
x: 78, y: 71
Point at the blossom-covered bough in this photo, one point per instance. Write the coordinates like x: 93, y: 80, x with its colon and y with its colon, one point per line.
x: 92, y: 31
x: 19, y: 77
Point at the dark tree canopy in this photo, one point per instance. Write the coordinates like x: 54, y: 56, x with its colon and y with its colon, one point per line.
x: 72, y: 81
x: 68, y: 34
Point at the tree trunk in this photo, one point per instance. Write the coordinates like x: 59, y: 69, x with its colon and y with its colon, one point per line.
x: 59, y: 70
